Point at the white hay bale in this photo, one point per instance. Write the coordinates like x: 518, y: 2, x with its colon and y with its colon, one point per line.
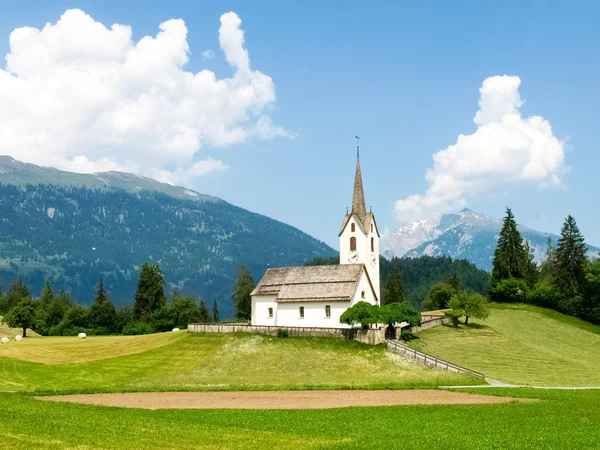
x: 175, y: 329
x: 82, y: 335
x: 5, y: 340
x: 18, y: 338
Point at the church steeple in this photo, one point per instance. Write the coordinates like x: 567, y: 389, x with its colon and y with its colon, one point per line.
x: 358, y: 197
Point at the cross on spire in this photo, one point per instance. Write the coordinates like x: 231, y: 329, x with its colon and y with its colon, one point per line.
x: 357, y: 145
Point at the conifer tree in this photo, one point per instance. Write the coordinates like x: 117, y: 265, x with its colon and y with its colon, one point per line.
x: 242, y: 302
x: 394, y: 288
x: 510, y: 257
x: 215, y: 311
x: 548, y: 266
x: 17, y: 292
x: 46, y: 296
x: 571, y: 258
x: 203, y: 310
x: 531, y: 268
x: 150, y: 294
x: 102, y: 312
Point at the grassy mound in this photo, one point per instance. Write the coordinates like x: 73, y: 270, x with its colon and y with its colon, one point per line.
x: 522, y: 344
x: 182, y: 361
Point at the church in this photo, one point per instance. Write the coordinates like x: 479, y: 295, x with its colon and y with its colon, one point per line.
x: 316, y: 296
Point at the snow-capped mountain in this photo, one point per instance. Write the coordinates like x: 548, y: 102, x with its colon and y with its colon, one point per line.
x: 465, y: 234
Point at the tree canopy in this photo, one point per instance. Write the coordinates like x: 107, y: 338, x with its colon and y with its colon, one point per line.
x: 242, y: 302
x: 510, y: 256
x: 150, y: 294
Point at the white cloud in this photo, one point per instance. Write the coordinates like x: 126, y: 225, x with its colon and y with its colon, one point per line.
x: 83, y: 97
x: 505, y: 151
x: 207, y: 54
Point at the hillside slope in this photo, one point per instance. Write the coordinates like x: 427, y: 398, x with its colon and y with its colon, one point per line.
x: 73, y: 235
x: 192, y: 362
x: 463, y: 235
x: 521, y: 344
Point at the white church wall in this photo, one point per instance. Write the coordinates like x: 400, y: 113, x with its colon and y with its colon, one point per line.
x: 364, y: 286
x: 288, y: 314
x: 260, y: 310
x: 361, y: 242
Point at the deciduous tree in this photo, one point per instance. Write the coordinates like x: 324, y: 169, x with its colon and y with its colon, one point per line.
x: 23, y: 315
x: 471, y: 305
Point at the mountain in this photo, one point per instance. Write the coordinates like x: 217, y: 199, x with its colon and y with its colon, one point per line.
x: 465, y: 234
x: 71, y: 229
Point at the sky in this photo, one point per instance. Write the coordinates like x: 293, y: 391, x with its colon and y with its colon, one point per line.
x: 471, y: 104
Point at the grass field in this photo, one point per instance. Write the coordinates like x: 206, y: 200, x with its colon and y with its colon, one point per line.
x: 561, y: 419
x: 182, y: 361
x: 522, y: 344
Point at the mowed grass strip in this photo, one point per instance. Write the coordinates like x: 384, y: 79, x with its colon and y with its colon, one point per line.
x: 561, y: 419
x: 521, y: 344
x: 182, y: 361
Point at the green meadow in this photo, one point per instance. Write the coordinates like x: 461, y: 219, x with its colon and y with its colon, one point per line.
x: 521, y: 344
x: 182, y: 361
x: 560, y: 419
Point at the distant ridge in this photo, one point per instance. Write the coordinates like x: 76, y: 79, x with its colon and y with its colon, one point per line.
x: 71, y: 229
x: 465, y: 234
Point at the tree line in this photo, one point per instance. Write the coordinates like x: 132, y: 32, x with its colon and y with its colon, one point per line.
x: 57, y: 314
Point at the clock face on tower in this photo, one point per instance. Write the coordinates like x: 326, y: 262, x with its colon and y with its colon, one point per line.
x: 353, y: 257
x: 373, y: 260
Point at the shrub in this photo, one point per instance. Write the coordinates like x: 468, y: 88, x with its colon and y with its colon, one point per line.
x: 407, y: 335
x: 399, y: 312
x: 471, y: 305
x: 282, y: 333
x: 510, y: 290
x: 137, y: 328
x: 363, y: 313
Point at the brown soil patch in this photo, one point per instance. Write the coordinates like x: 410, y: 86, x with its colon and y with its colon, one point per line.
x: 278, y: 400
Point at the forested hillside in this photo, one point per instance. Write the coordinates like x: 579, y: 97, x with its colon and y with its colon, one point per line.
x: 419, y: 274
x: 72, y: 236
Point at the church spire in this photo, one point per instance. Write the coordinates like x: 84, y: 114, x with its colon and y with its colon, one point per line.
x: 358, y: 197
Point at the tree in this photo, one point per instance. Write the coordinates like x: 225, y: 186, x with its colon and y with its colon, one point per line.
x: 23, y: 315
x: 204, y: 314
x: 17, y: 292
x: 571, y: 258
x: 591, y: 302
x: 393, y: 313
x: 531, y: 269
x: 215, y: 311
x: 394, y: 288
x: 471, y: 305
x: 102, y: 312
x: 150, y: 294
x: 362, y: 313
x: 184, y: 310
x: 46, y: 296
x: 242, y: 302
x: 548, y: 266
x: 510, y: 256
x: 439, y: 296
x: 454, y: 282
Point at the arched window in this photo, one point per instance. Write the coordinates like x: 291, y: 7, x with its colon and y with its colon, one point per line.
x: 371, y: 228
x: 302, y: 312
x: 372, y: 244
x: 363, y: 294
x: 353, y: 244
x: 353, y: 227
x: 327, y: 311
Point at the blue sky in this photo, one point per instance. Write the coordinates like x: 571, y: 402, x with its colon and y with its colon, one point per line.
x: 405, y: 76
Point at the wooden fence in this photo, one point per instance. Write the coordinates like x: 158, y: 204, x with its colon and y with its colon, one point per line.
x: 431, y: 361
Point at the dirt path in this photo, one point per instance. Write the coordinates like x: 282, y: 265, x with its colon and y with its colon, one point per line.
x: 278, y: 400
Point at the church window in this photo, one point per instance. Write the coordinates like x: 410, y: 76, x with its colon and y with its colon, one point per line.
x: 353, y: 244
x: 353, y: 227
x: 270, y: 313
x: 327, y: 311
x: 372, y: 244
x: 363, y: 295
x: 302, y: 312
x: 371, y: 228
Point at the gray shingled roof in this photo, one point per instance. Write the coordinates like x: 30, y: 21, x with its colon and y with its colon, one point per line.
x: 311, y: 283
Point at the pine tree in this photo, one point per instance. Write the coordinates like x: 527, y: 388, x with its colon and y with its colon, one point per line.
x: 531, y: 268
x: 571, y: 258
x: 17, y: 292
x: 215, y: 311
x: 102, y: 312
x: 150, y: 294
x: 548, y: 266
x: 510, y: 257
x: 394, y: 288
x: 204, y: 315
x: 46, y: 296
x: 242, y: 302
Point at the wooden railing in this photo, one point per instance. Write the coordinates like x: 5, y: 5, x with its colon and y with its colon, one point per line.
x: 431, y: 361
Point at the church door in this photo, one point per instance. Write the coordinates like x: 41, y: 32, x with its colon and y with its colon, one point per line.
x: 390, y: 332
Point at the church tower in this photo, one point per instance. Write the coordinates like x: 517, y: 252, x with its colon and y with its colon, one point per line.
x: 359, y: 237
